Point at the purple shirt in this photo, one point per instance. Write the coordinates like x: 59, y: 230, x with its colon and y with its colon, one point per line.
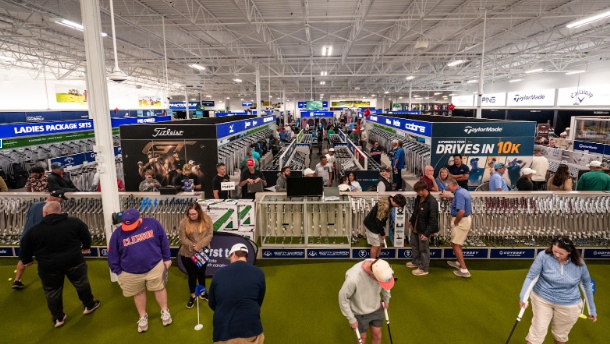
x: 139, y: 250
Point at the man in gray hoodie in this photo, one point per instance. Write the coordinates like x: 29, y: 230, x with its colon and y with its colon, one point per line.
x: 359, y: 296
x: 280, y: 185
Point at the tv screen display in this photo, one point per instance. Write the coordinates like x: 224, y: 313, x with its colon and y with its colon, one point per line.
x: 304, y: 186
x: 315, y: 105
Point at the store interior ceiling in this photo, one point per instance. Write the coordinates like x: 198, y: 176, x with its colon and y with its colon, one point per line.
x: 337, y: 48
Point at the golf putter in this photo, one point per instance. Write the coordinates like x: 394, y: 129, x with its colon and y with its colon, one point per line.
x: 387, y: 319
x: 358, y: 335
x: 522, y: 311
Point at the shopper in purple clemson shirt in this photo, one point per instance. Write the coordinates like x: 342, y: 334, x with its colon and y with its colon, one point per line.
x: 139, y: 254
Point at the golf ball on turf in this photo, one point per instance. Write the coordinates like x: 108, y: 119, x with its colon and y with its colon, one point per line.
x: 15, y: 271
x: 10, y: 279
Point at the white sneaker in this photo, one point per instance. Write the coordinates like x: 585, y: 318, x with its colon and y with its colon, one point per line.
x: 454, y: 264
x: 411, y: 265
x: 166, y: 317
x: 143, y: 323
x: 419, y: 272
x: 460, y: 273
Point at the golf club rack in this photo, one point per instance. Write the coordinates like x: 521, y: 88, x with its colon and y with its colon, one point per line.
x: 233, y: 152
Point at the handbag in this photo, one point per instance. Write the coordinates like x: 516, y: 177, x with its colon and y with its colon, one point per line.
x: 201, y: 258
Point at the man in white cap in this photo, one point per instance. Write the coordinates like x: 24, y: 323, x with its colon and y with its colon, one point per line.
x: 331, y: 160
x: 359, y: 296
x: 236, y: 295
x: 563, y: 135
x: 525, y: 182
x: 309, y: 173
x: 594, y: 180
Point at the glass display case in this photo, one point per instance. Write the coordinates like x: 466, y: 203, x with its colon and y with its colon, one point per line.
x: 305, y: 221
x: 592, y: 129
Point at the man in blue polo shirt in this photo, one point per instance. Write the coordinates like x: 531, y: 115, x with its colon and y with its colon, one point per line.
x: 459, y: 171
x: 496, y: 181
x: 461, y: 208
x: 398, y: 163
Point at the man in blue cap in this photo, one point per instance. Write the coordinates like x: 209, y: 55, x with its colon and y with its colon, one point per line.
x: 139, y: 254
x: 60, y: 181
x: 496, y: 181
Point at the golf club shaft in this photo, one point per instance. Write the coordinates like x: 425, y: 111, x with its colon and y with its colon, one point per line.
x: 387, y: 319
x: 358, y: 335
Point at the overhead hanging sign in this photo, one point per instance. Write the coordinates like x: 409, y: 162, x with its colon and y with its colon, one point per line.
x: 207, y: 103
x: 232, y: 128
x: 302, y: 105
x: 317, y: 114
x: 416, y: 127
x: 493, y: 100
x: 584, y: 96
x: 462, y: 101
x: 246, y: 104
x: 182, y: 105
x: 531, y: 98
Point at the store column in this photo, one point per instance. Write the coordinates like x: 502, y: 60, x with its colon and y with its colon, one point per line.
x: 259, y: 104
x: 98, y: 109
x: 284, y: 106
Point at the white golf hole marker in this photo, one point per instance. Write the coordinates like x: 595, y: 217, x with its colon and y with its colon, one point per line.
x: 198, y: 327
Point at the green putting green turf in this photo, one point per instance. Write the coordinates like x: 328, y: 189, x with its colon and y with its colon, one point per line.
x: 301, y: 306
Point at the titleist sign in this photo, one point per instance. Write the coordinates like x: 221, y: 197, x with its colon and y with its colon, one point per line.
x: 167, y: 132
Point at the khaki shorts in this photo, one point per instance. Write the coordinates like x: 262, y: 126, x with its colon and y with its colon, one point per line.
x: 563, y: 319
x: 372, y: 238
x: 260, y: 339
x: 460, y: 232
x: 133, y: 284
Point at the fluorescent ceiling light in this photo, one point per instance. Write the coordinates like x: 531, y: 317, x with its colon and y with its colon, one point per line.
x: 73, y: 25
x: 323, y: 73
x: 472, y: 81
x: 177, y: 85
x: 322, y: 82
x: 209, y: 96
x: 242, y: 99
x: 237, y: 80
x: 327, y: 50
x: 410, y: 77
x: 196, y: 66
x: 228, y: 97
x: 453, y: 94
x: 321, y: 94
x: 515, y: 80
x: 193, y: 98
x: 588, y: 20
x: 437, y: 93
x: 575, y: 72
x: 427, y: 97
x: 220, y: 101
x: 6, y: 58
x: 537, y: 70
x: 455, y: 63
x: 399, y: 97
x: 251, y: 100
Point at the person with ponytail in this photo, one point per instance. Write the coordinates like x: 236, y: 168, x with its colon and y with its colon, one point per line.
x: 555, y: 296
x: 195, y: 232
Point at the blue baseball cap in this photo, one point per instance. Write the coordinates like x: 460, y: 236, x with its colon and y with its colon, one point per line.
x: 130, y: 219
x: 498, y: 165
x: 56, y: 165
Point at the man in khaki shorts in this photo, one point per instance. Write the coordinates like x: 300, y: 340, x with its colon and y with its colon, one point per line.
x: 461, y: 208
x: 139, y: 254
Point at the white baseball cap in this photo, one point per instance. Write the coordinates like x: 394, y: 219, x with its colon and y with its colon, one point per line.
x: 527, y: 171
x: 383, y: 273
x: 331, y: 150
x: 308, y: 171
x: 238, y: 247
x: 563, y: 134
x: 594, y: 163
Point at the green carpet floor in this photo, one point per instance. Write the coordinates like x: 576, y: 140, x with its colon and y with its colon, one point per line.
x: 301, y: 307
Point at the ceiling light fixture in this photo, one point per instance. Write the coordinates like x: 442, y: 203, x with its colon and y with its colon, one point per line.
x: 228, y: 97
x: 177, y: 85
x: 327, y: 50
x: 386, y: 92
x: 399, y: 97
x: 453, y: 94
x: 437, y: 93
x: 410, y: 77
x: 589, y: 19
x: 537, y: 70
x: 237, y: 80
x: 242, y: 99
x: 575, y: 72
x: 7, y: 58
x: 73, y: 25
x: 196, y: 66
x: 472, y: 81
x: 323, y: 73
x: 209, y: 96
x: 322, y: 82
x: 455, y: 63
x: 515, y: 80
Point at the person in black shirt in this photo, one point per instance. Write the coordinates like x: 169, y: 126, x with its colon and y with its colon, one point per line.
x: 184, y: 174
x: 250, y: 176
x: 525, y: 182
x: 459, y: 171
x: 220, y: 178
x: 376, y: 152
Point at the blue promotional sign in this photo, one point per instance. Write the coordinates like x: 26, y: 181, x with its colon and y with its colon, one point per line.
x: 590, y: 146
x: 80, y: 158
x: 283, y: 253
x: 328, y: 253
x: 522, y: 253
x: 483, y: 146
x: 93, y: 253
x: 302, y: 105
x: 416, y: 112
x: 417, y: 127
x: 232, y: 128
x: 597, y: 253
x: 139, y: 120
x: 6, y: 251
x: 468, y: 253
x: 317, y: 114
x: 103, y: 251
x: 407, y: 253
x: 485, y: 129
x: 17, y: 250
x: 182, y: 105
x: 342, y: 136
x: 207, y: 103
x: 324, y: 104
x: 247, y: 104
x: 363, y: 253
x: 118, y: 150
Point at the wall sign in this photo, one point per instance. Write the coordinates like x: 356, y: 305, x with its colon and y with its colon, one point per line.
x: 462, y: 101
x: 209, y: 103
x: 246, y: 104
x: 231, y: 128
x: 363, y: 253
x: 182, y: 105
x: 317, y: 114
x: 590, y: 146
x: 328, y: 253
x: 493, y: 100
x: 585, y: 96
x: 417, y: 127
x: 283, y: 253
x: 531, y: 98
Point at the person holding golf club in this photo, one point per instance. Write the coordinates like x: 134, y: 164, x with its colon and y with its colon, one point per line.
x: 195, y: 232
x: 376, y: 220
x: 359, y: 297
x: 461, y: 208
x: 555, y: 295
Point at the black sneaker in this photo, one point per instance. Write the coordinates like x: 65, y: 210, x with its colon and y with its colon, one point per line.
x: 191, y: 302
x: 89, y: 310
x: 18, y: 285
x: 204, y: 296
x: 60, y: 323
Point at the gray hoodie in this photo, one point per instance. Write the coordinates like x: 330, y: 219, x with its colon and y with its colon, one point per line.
x: 280, y: 185
x: 360, y: 293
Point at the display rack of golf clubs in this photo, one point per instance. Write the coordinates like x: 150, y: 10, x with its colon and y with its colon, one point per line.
x: 344, y: 159
x: 307, y: 138
x: 417, y: 156
x: 169, y: 210
x: 509, y: 221
x: 385, y: 138
x: 334, y: 139
x: 305, y: 221
x: 233, y: 152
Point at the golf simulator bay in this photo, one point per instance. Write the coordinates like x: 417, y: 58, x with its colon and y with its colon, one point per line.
x: 301, y: 306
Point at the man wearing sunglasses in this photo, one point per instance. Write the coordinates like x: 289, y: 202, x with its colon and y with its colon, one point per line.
x: 359, y: 296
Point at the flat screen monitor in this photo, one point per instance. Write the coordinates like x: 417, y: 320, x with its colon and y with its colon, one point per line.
x: 314, y: 105
x: 304, y: 186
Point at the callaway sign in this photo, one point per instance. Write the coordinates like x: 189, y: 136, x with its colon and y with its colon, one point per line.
x: 532, y: 98
x: 585, y: 96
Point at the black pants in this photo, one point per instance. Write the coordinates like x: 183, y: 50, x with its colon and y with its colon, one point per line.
x: 194, y: 273
x: 398, y: 179
x: 53, y: 285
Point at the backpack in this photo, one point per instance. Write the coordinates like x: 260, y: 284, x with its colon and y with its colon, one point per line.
x: 18, y: 178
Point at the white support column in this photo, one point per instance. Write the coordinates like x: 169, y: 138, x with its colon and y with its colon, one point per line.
x: 98, y: 108
x: 295, y: 109
x: 480, y: 93
x: 410, y: 94
x: 186, y: 105
x: 284, y: 106
x: 259, y: 103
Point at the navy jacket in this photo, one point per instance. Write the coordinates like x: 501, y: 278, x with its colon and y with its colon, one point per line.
x: 236, y: 295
